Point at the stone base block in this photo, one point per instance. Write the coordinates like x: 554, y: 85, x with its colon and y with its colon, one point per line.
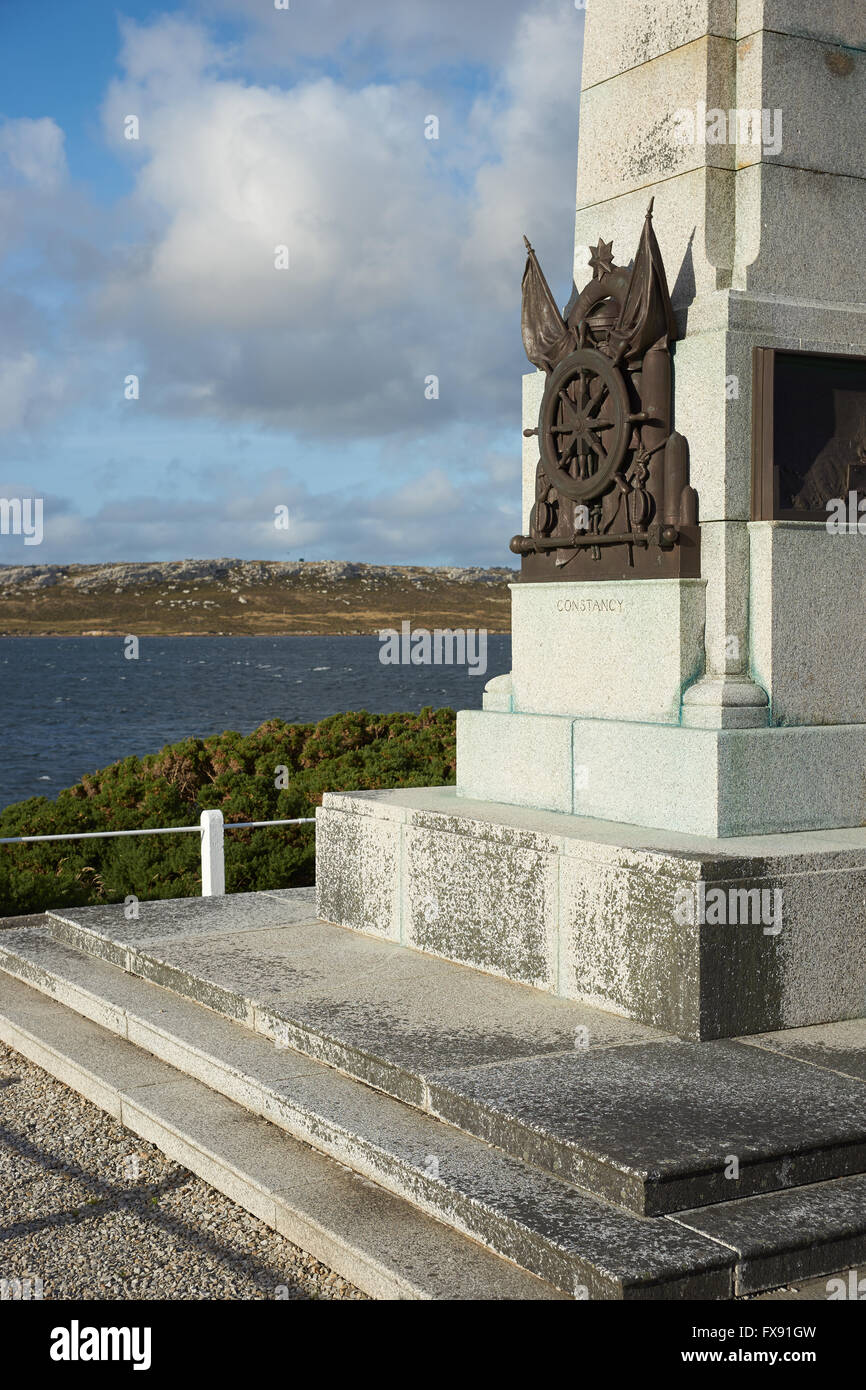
x: 606, y: 650
x: 706, y: 940
x: 713, y: 782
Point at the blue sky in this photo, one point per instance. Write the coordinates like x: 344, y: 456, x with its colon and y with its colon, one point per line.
x: 262, y: 386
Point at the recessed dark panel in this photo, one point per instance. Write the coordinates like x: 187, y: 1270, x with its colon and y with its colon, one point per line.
x: 809, y: 433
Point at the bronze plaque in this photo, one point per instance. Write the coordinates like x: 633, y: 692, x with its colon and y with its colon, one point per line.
x: 808, y: 432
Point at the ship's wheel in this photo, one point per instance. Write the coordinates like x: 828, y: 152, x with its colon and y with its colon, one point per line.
x: 584, y: 425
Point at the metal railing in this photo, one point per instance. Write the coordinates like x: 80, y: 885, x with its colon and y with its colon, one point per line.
x: 211, y: 828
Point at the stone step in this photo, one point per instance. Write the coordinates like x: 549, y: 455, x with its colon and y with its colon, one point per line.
x: 634, y: 1116
x: 783, y: 1237
x: 546, y: 1226
x: 775, y: 1238
x: 382, y: 1244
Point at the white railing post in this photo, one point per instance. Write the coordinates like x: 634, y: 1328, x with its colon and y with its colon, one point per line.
x: 213, y: 870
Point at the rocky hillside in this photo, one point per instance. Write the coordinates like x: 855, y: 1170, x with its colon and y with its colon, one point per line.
x: 186, y: 597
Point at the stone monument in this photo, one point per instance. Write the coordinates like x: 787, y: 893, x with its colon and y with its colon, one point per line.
x: 660, y: 809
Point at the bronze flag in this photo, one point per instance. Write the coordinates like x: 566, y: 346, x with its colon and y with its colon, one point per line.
x: 545, y: 335
x: 647, y: 315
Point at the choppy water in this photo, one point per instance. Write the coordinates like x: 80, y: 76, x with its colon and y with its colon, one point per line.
x: 71, y: 705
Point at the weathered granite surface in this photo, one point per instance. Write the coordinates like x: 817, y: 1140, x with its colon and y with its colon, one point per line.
x: 655, y: 1126
x: 840, y: 1047
x: 807, y: 649
x: 537, y: 1076
x: 820, y: 1228
x: 383, y: 1243
x: 543, y: 1225
x: 738, y: 222
x: 594, y: 910
x: 606, y: 650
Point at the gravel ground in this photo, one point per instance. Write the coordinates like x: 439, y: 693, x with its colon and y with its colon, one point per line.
x: 94, y: 1212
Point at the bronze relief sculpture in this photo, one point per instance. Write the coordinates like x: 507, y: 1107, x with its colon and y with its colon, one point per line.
x: 612, y: 495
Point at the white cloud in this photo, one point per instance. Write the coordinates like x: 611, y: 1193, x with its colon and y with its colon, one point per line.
x: 32, y: 390
x: 406, y: 258
x: 34, y: 150
x: 18, y: 384
x: 532, y: 180
x: 412, y: 35
x: 434, y: 517
x: 397, y: 269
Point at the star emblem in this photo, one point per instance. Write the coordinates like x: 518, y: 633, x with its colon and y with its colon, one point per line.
x: 601, y: 258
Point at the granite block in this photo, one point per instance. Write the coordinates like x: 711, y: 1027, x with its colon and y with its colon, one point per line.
x: 791, y: 1235
x: 654, y: 1127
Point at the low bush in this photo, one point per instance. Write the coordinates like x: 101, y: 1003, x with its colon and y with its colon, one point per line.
x: 238, y: 774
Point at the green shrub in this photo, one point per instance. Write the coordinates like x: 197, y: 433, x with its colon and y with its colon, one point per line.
x: 232, y: 772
